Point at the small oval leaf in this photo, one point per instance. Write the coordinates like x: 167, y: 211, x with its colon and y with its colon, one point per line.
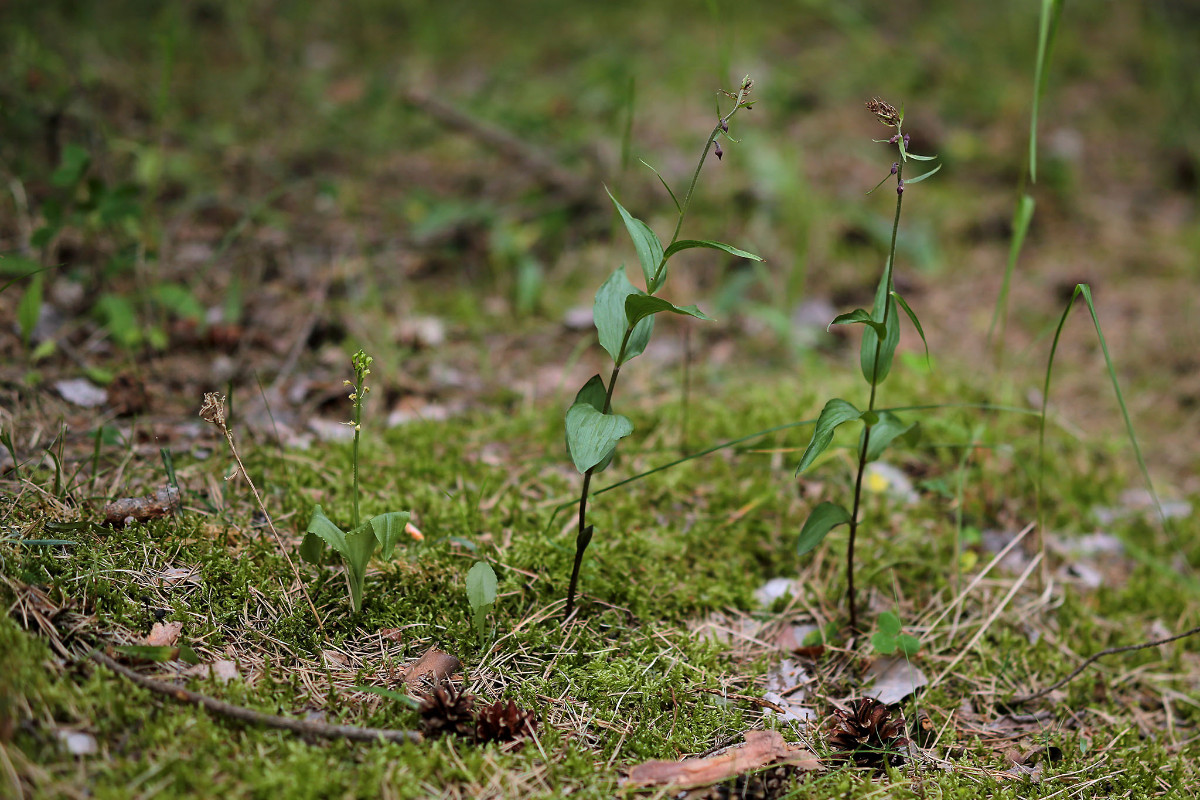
x: 591, y: 436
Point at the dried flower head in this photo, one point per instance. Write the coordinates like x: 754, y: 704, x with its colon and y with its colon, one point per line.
x: 213, y: 408
x: 886, y: 113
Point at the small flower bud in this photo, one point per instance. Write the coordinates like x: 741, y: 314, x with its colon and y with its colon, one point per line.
x: 717, y: 149
x: 347, y: 383
x: 906, y: 140
x: 357, y: 428
x: 895, y: 167
x: 894, y: 139
x: 899, y: 187
x: 724, y: 125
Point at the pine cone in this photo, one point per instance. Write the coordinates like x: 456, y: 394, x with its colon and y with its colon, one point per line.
x: 503, y: 722
x: 868, y: 735
x: 447, y: 710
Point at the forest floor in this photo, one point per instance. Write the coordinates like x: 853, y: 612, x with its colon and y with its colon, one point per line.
x: 234, y: 197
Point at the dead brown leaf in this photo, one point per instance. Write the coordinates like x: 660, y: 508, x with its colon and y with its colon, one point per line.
x: 761, y: 749
x: 164, y: 634
x: 435, y: 666
x: 126, y: 510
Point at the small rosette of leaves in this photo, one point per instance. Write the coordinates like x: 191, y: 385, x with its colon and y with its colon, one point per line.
x: 355, y: 547
x: 890, y: 638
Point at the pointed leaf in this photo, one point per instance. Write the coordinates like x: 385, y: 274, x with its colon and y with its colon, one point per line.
x: 913, y: 155
x: 481, y: 586
x: 591, y: 435
x: 360, y: 544
x: 912, y: 317
x: 594, y: 394
x: 687, y: 244
x: 321, y: 529
x: 884, y: 432
x: 641, y: 306
x: 922, y: 176
x: 611, y: 322
x: 872, y: 371
x: 860, y: 316
x: 678, y: 207
x: 388, y: 529
x: 645, y: 242
x: 824, y: 518
x: 835, y: 413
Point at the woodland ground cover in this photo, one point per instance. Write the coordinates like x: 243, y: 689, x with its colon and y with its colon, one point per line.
x: 236, y: 197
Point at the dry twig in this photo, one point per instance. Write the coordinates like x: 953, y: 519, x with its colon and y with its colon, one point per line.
x: 301, y: 726
x: 1110, y: 651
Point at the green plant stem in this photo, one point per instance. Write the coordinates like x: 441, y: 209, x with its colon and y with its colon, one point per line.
x: 583, y: 537
x: 866, y: 440
x: 354, y: 457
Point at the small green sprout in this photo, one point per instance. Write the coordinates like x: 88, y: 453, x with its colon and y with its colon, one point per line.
x: 383, y: 530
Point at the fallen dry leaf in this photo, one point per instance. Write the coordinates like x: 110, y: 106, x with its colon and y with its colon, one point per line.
x: 761, y: 749
x: 895, y: 679
x: 435, y: 666
x: 222, y: 670
x: 126, y: 510
x: 164, y: 634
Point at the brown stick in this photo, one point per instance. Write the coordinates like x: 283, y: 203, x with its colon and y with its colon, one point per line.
x: 539, y: 166
x: 306, y: 727
x: 1110, y: 651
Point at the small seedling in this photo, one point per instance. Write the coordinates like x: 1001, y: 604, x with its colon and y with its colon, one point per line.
x: 881, y: 334
x: 624, y: 317
x: 889, y: 638
x: 481, y: 594
x: 358, y: 545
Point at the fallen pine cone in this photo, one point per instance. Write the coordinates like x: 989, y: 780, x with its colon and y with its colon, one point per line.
x: 867, y: 735
x: 503, y: 722
x: 447, y: 710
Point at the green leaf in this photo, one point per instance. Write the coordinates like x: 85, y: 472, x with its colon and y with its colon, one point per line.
x: 859, y: 316
x: 687, y: 244
x: 360, y: 545
x: 1022, y: 216
x: 884, y: 432
x: 321, y: 531
x: 883, y: 643
x: 74, y: 164
x: 641, y: 306
x: 836, y: 412
x: 389, y: 528
x: 912, y: 317
x: 592, y: 436
x: 611, y: 322
x: 399, y: 697
x: 1047, y: 28
x: 922, y: 176
x: 30, y: 308
x: 824, y: 518
x: 872, y: 371
x: 594, y: 394
x: 119, y: 317
x: 678, y: 207
x: 645, y: 242
x: 481, y: 586
x: 889, y: 623
x: 911, y: 154
x: 909, y: 644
